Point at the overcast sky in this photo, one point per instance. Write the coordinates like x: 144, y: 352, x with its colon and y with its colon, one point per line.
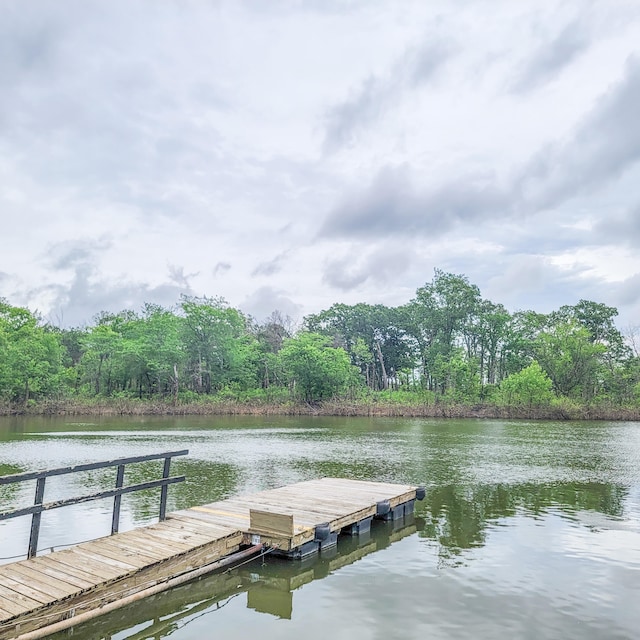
x: 293, y: 154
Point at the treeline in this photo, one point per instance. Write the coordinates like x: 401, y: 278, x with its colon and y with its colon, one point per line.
x: 446, y: 345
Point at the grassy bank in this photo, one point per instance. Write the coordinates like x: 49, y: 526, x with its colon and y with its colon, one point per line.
x: 370, y: 407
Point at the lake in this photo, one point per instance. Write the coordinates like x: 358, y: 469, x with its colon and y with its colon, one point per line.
x: 528, y: 529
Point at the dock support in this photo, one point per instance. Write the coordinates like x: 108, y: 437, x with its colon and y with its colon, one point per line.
x: 35, y: 519
x: 398, y: 512
x: 358, y: 528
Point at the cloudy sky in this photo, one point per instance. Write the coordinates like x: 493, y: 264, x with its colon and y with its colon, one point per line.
x: 289, y: 154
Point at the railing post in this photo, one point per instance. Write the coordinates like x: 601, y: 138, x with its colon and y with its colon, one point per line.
x: 115, y: 518
x: 164, y: 490
x: 35, y: 518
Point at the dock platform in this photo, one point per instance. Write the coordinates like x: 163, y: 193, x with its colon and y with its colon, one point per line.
x: 49, y: 592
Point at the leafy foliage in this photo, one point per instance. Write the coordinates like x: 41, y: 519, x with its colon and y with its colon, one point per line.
x: 316, y: 370
x: 446, y: 344
x: 528, y: 388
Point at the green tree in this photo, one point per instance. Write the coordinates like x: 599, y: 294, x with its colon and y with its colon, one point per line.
x: 31, y: 356
x: 213, y: 333
x: 528, y: 388
x: 439, y: 319
x: 571, y: 359
x: 270, y: 337
x: 373, y: 337
x: 101, y: 363
x: 316, y: 370
x: 154, y: 351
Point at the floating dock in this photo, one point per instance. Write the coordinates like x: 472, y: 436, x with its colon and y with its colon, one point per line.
x: 47, y: 593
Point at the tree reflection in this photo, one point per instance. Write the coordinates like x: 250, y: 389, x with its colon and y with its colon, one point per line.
x: 457, y: 517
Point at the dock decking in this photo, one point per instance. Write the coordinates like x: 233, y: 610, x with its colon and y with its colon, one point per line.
x: 295, y: 520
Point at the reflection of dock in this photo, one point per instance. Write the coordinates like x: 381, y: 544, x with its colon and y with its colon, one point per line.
x: 269, y: 586
x: 66, y: 587
x: 271, y: 590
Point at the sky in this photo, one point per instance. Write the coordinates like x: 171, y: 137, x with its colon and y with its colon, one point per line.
x: 288, y: 155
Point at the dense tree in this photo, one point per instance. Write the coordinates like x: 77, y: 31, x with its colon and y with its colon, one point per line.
x: 270, y: 337
x: 447, y: 339
x: 439, y: 319
x: 31, y: 356
x: 212, y: 333
x: 315, y: 369
x: 571, y: 359
x: 528, y: 388
x: 373, y: 337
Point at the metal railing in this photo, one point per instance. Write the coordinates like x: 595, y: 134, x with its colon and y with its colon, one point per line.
x: 41, y: 476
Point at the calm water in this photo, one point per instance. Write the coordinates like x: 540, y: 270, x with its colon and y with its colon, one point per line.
x: 528, y: 530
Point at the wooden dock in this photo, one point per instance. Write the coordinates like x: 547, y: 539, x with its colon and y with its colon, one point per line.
x: 46, y: 593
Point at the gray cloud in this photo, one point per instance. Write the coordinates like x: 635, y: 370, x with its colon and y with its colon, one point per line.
x: 551, y: 57
x: 421, y: 64
x: 345, y: 120
x: 392, y: 206
x: 342, y: 274
x: 628, y: 291
x: 28, y: 43
x: 606, y: 144
x: 531, y: 281
x: 96, y: 104
x: 270, y: 267
x: 88, y: 294
x: 380, y: 266
x: 179, y: 277
x: 603, y: 147
x: 121, y: 148
x: 221, y: 268
x: 377, y: 94
x: 621, y: 228
x: 71, y: 253
x: 264, y: 301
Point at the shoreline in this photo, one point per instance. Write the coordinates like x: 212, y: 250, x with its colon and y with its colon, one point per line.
x: 336, y: 408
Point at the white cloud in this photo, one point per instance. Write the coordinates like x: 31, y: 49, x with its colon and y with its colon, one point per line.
x: 153, y: 149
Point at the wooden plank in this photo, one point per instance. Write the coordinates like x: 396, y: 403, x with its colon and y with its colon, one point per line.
x: 183, y: 531
x: 204, y: 515
x: 270, y: 523
x: 56, y: 570
x: 110, y: 568
x: 79, y: 565
x: 151, y: 545
x: 301, y: 510
x: 126, y: 558
x: 25, y: 590
x: 175, y: 540
x: 224, y: 513
x: 132, y: 583
x: 41, y: 581
x: 134, y: 554
x: 188, y: 518
x: 86, y: 551
x: 5, y: 615
x: 195, y: 529
x: 305, y: 515
x: 232, y: 536
x: 14, y: 602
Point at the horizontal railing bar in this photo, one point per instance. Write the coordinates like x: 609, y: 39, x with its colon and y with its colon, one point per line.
x: 96, y: 496
x: 34, y: 475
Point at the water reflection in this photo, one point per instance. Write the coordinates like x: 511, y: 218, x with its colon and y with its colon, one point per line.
x: 268, y: 582
x: 528, y: 529
x: 458, y: 517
